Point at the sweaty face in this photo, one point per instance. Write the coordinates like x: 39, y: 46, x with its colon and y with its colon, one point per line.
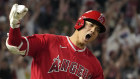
x: 88, y: 33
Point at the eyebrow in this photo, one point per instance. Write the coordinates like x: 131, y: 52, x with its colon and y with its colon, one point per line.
x: 91, y: 24
x: 94, y: 24
x: 97, y: 27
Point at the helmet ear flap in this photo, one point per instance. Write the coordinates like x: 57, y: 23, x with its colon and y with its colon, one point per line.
x: 79, y: 24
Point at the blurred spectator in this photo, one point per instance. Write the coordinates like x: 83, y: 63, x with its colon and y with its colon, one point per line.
x: 22, y: 68
x: 5, y: 71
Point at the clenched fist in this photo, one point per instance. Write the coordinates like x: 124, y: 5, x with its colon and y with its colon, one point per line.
x: 16, y: 14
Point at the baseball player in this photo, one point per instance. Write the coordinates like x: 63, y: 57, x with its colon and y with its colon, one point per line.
x: 55, y: 56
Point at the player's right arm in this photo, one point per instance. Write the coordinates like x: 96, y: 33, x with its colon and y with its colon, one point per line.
x: 15, y: 43
x: 14, y: 40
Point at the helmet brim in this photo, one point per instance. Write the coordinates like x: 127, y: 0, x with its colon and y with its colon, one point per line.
x: 101, y: 26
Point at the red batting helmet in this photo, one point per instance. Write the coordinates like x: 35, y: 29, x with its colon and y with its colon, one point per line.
x: 92, y: 16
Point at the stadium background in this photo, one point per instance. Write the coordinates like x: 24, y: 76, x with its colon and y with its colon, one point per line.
x: 118, y: 49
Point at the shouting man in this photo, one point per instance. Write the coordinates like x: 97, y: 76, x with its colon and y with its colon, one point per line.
x: 55, y: 56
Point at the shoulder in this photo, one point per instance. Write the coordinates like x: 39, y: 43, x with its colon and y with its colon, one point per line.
x: 49, y: 37
x: 46, y: 36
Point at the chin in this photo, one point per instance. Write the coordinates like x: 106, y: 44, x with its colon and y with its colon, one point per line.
x: 89, y: 41
x: 85, y: 42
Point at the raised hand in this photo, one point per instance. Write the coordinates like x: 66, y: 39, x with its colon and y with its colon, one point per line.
x: 16, y: 14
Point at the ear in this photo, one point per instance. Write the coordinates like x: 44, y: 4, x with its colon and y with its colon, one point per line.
x: 79, y: 24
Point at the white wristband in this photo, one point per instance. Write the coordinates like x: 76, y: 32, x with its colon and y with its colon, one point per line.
x: 14, y: 25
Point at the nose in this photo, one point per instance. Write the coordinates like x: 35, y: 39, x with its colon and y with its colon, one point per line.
x: 93, y: 30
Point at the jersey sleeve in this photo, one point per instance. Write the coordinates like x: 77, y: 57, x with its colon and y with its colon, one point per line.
x: 36, y: 43
x: 26, y: 46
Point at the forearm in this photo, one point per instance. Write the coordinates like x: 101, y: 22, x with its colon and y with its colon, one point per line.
x: 14, y: 37
x: 15, y: 42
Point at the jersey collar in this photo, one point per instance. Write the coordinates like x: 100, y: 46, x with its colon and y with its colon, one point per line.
x: 75, y: 46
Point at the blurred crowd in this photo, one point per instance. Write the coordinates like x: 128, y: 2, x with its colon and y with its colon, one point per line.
x: 118, y: 49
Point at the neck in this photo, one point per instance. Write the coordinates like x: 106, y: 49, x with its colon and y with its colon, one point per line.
x: 75, y: 40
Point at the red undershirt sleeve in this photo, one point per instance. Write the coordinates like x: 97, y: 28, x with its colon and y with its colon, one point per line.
x: 14, y: 37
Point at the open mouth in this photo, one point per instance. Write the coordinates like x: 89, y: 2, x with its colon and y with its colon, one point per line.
x: 88, y: 36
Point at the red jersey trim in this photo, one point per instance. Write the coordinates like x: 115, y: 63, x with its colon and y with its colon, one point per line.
x: 74, y: 47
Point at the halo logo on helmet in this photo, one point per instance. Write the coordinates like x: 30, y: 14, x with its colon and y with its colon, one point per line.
x: 101, y: 18
x: 93, y: 16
